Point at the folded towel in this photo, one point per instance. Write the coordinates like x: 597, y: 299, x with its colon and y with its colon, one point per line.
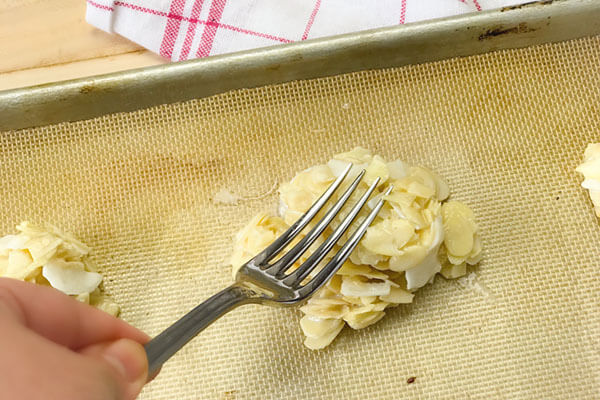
x: 186, y: 29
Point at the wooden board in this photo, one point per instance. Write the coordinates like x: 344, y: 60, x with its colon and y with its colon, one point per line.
x: 49, y: 40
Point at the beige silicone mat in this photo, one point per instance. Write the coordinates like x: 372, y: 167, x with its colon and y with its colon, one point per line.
x: 505, y: 129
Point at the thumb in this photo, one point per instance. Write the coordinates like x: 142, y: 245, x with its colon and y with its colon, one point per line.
x: 127, y: 361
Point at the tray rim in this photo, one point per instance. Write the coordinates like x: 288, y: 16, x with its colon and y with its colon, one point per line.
x: 512, y: 27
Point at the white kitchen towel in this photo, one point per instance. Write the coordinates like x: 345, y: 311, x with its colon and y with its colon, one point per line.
x: 186, y: 29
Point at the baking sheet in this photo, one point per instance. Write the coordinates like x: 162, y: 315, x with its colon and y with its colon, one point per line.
x: 506, y: 130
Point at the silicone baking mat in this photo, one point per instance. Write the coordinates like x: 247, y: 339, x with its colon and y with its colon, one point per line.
x: 505, y: 129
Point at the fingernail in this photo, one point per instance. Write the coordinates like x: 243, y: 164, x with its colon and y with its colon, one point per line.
x: 129, y: 359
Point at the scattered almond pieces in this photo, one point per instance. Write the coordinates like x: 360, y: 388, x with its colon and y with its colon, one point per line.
x: 590, y: 169
x: 47, y: 256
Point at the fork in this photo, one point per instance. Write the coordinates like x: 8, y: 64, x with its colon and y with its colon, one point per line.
x: 260, y: 281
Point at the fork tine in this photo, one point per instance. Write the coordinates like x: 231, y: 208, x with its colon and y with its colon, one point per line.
x: 290, y: 257
x: 274, y: 248
x: 296, y: 277
x: 336, y: 262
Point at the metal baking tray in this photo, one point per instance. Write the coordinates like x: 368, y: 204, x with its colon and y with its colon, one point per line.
x: 511, y: 27
x: 135, y: 175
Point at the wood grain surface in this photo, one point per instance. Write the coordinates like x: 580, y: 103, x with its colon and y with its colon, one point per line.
x: 45, y: 41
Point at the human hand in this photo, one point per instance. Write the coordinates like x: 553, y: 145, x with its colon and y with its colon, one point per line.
x: 54, y: 347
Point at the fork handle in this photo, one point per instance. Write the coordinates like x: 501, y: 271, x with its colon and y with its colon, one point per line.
x: 167, y: 343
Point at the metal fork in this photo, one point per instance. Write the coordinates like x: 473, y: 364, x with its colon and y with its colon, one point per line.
x: 264, y: 282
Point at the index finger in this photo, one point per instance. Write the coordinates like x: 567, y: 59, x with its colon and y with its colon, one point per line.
x: 61, y: 318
